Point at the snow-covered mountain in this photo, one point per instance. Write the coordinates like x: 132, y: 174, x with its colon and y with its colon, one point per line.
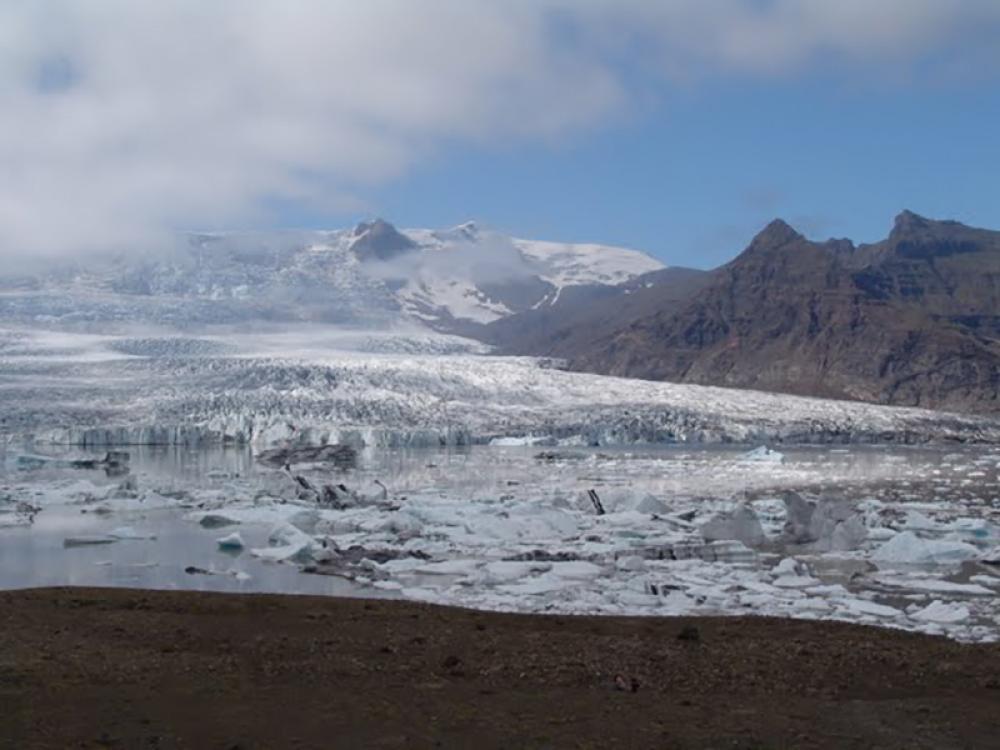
x: 373, y: 275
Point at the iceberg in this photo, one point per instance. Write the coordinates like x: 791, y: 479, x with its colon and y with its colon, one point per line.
x: 942, y: 612
x: 763, y: 453
x: 741, y: 525
x: 907, y: 548
x: 231, y: 542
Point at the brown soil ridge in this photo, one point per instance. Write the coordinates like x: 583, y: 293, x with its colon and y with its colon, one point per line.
x: 103, y: 668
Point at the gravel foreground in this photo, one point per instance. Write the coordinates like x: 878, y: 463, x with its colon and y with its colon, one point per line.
x: 103, y: 668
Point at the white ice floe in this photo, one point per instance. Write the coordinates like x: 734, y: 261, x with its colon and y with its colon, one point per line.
x: 287, y: 543
x: 907, y: 548
x: 127, y: 532
x: 741, y: 525
x: 942, y: 612
x: 763, y: 453
x: 934, y: 585
x: 231, y: 541
x: 865, y: 607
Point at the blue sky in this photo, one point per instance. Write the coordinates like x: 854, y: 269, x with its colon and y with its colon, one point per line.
x: 679, y: 127
x: 694, y: 179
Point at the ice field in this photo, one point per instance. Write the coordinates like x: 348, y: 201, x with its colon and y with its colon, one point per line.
x: 904, y: 537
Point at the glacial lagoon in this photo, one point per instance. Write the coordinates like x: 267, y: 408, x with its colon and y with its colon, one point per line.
x: 896, y: 536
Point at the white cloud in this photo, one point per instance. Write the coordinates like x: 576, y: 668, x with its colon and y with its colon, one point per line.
x: 121, y: 120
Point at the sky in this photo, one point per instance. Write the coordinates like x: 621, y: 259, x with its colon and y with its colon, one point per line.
x: 678, y: 127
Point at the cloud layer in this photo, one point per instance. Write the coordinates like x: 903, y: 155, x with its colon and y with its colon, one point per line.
x: 124, y: 120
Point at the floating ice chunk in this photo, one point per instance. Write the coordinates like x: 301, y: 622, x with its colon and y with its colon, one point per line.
x: 789, y: 566
x: 542, y: 584
x: 678, y: 603
x: 451, y: 567
x: 402, y: 525
x: 763, y: 453
x: 577, y: 570
x: 87, y: 541
x: 504, y: 571
x: 516, y: 441
x: 829, y: 591
x: 881, y: 534
x: 772, y: 514
x: 917, y: 521
x: 741, y: 525
x: 934, y: 585
x: 637, y: 600
x: 798, y: 517
x: 284, y: 534
x: 795, y: 582
x: 976, y: 528
x: 127, y: 532
x: 909, y: 549
x: 305, y: 520
x: 939, y: 611
x: 630, y: 562
x: 985, y: 580
x: 215, y: 520
x: 652, y: 505
x: 537, y: 522
x: 992, y: 557
x: 287, y: 543
x: 284, y: 553
x: 811, y: 604
x: 865, y: 607
x: 231, y: 542
x: 848, y: 535
x: 728, y: 551
x: 835, y: 526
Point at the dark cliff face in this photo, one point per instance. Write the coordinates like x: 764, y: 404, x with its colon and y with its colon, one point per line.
x: 913, y: 320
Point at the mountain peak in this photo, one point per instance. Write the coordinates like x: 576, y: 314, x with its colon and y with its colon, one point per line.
x: 467, y: 231
x: 377, y: 225
x: 379, y: 240
x: 775, y: 235
x: 908, y: 221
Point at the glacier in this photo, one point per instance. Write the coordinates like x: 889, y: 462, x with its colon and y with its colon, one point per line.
x: 325, y: 385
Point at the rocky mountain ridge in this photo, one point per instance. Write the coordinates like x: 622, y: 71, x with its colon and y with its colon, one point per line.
x: 913, y: 320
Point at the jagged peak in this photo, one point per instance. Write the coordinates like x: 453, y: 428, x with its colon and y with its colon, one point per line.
x: 775, y: 234
x: 378, y: 225
x: 379, y: 240
x: 908, y: 221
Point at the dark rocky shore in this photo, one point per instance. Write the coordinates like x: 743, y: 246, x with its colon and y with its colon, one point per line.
x: 84, y: 668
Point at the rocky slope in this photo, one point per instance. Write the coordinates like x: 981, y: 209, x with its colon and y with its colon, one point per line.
x: 912, y: 320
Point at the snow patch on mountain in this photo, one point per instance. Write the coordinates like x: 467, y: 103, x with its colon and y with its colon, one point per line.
x: 566, y: 264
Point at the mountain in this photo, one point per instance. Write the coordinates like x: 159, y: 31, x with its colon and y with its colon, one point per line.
x: 912, y: 320
x: 584, y: 313
x: 453, y: 280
